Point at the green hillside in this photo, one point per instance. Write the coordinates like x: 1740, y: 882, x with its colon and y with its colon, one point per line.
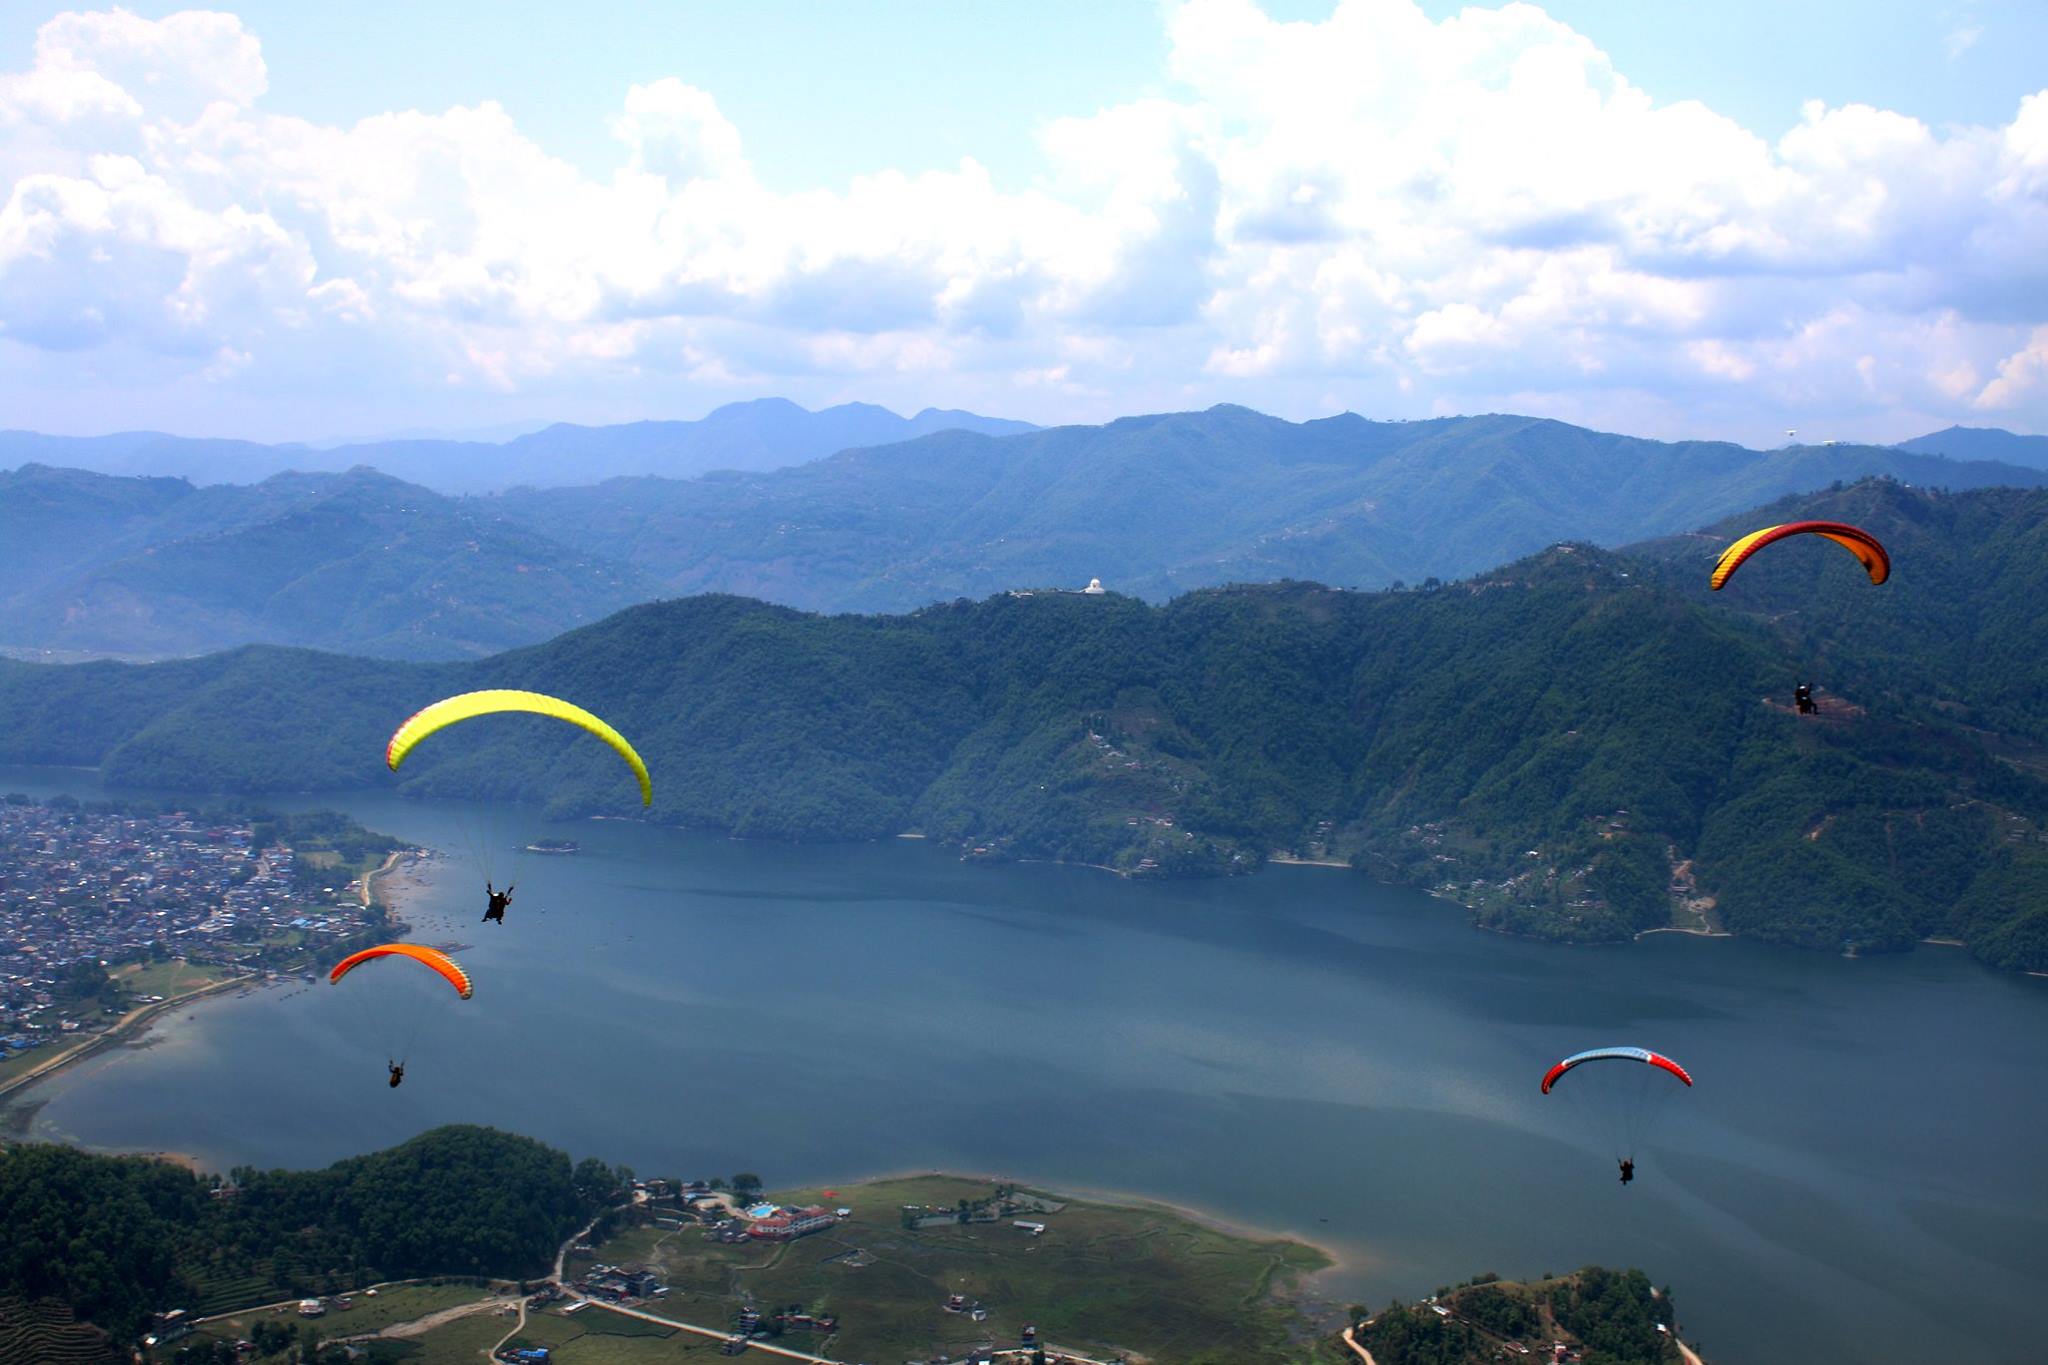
x: 1582, y: 745
x: 119, y: 1238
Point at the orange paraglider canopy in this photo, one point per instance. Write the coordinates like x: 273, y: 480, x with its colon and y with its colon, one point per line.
x: 433, y: 958
x: 1854, y: 539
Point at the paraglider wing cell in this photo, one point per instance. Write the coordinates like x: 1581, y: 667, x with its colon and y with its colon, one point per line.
x: 432, y: 958
x: 1614, y: 1054
x: 447, y: 712
x: 1854, y: 539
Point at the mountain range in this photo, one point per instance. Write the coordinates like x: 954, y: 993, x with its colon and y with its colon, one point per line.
x: 1982, y: 443
x: 155, y: 566
x: 365, y: 563
x: 1157, y: 505
x: 765, y: 433
x: 1582, y: 744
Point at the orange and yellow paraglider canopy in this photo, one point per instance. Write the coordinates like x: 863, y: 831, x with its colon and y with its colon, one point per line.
x: 433, y: 958
x: 1854, y: 539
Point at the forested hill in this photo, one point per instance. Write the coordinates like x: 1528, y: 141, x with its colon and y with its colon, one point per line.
x: 358, y: 561
x: 1559, y: 743
x: 119, y: 1238
x: 1161, y: 504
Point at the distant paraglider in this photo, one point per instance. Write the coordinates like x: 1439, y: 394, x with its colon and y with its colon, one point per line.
x: 1613, y: 1054
x: 1854, y: 539
x: 481, y: 829
x: 1622, y: 1096
x: 393, y: 1008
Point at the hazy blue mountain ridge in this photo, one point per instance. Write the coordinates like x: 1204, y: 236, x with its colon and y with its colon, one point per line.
x: 359, y: 561
x: 764, y: 433
x: 1152, y: 505
x: 1160, y: 504
x: 1982, y: 443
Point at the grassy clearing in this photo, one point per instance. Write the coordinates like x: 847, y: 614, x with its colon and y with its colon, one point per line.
x: 462, y: 1342
x: 404, y: 1303
x: 21, y: 1062
x: 1101, y: 1278
x: 168, y: 979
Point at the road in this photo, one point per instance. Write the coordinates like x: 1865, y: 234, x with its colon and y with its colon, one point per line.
x: 517, y: 1328
x: 716, y: 1333
x: 1352, y: 1342
x: 390, y: 862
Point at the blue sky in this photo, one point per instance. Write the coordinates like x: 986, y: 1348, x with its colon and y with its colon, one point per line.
x: 1745, y: 216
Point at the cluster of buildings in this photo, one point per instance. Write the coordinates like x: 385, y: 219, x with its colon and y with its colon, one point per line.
x: 786, y: 1225
x: 620, y: 1284
x: 78, y: 884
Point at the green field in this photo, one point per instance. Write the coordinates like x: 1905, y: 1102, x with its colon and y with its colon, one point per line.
x: 167, y: 978
x: 1102, y: 1278
x: 403, y: 1303
x: 462, y: 1342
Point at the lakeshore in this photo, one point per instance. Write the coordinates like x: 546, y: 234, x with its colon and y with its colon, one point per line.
x: 135, y: 1027
x: 1274, y: 1051
x: 128, y: 1029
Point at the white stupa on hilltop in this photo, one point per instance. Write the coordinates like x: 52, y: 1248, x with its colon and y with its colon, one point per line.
x: 1094, y: 587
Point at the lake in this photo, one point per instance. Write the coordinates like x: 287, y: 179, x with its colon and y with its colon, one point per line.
x: 1856, y: 1174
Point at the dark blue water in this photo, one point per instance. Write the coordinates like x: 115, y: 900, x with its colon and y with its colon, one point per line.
x: 1856, y: 1174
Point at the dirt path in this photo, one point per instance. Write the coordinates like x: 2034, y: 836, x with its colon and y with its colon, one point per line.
x: 562, y: 1252
x: 517, y: 1328
x: 390, y: 861
x: 1352, y: 1342
x: 419, y: 1327
x: 1691, y: 1356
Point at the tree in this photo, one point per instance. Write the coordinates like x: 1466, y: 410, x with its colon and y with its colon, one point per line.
x: 594, y: 1181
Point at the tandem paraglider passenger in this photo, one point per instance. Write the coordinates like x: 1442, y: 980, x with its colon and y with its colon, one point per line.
x: 397, y: 1073
x: 499, y: 900
x: 1628, y: 1167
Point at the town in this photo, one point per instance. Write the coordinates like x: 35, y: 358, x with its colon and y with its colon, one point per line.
x: 86, y: 887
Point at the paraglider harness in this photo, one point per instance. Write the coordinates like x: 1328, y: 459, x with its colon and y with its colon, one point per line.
x: 397, y: 1073
x: 1802, y: 697
x: 499, y: 900
x: 1628, y: 1169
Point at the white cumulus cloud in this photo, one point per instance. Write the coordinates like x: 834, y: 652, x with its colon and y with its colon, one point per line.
x: 1381, y: 210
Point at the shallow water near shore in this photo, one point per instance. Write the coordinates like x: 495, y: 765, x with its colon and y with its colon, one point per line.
x: 1856, y: 1174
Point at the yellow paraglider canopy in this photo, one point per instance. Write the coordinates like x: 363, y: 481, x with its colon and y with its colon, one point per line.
x: 447, y: 712
x: 1854, y: 539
